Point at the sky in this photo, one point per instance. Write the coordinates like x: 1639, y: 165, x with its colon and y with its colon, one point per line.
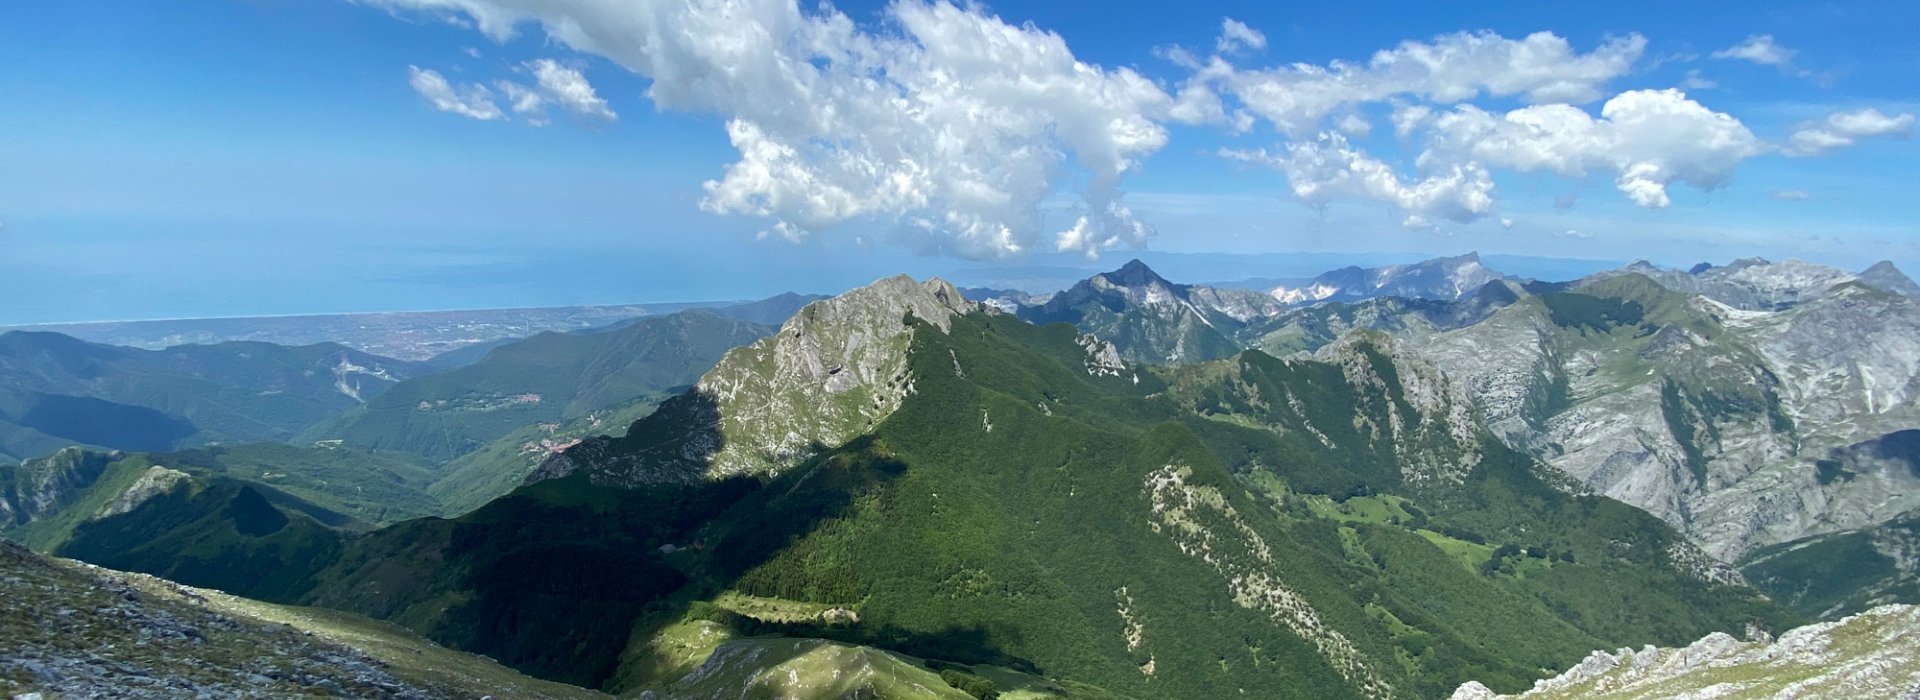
x: 242, y: 157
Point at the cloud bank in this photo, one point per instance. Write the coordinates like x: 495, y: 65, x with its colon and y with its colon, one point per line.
x: 955, y: 129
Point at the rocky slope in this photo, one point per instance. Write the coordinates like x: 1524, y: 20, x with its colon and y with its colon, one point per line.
x: 1439, y: 278
x: 1836, y: 574
x: 1750, y: 405
x: 832, y: 372
x: 71, y: 630
x: 1744, y: 428
x: 1752, y: 284
x: 1870, y: 656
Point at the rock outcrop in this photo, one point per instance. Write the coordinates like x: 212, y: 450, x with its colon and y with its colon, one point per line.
x: 834, y: 370
x: 1872, y: 655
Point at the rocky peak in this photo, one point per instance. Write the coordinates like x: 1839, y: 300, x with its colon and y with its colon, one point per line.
x: 1439, y: 278
x: 1889, y: 278
x: 1134, y: 274
x: 834, y: 370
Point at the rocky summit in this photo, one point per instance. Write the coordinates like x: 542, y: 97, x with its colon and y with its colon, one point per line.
x: 1868, y: 655
x: 68, y: 630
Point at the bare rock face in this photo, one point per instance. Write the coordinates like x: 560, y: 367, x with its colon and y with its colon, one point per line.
x: 156, y: 481
x: 1439, y: 278
x: 41, y: 486
x: 1750, y: 284
x: 1743, y: 427
x: 1441, y: 416
x: 1875, y: 654
x: 835, y: 369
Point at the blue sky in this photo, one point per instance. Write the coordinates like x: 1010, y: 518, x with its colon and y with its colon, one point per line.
x: 235, y: 157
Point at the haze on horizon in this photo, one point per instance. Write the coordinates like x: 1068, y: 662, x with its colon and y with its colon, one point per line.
x: 244, y: 158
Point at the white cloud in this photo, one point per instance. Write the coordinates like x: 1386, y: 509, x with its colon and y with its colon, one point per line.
x: 1790, y: 195
x: 1696, y: 81
x: 1409, y: 117
x: 1355, y: 125
x: 1236, y: 36
x: 1648, y: 138
x: 568, y: 88
x: 1327, y: 167
x: 953, y: 125
x: 1452, y: 68
x: 471, y: 52
x: 473, y: 101
x: 1842, y: 129
x: 1759, y: 48
x: 554, y: 84
x: 526, y: 102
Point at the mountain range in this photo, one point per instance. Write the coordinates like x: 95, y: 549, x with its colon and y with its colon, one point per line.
x: 57, y: 391
x: 1437, y: 480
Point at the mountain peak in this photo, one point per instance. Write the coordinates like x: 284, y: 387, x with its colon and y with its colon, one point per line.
x: 1884, y: 275
x: 1134, y: 274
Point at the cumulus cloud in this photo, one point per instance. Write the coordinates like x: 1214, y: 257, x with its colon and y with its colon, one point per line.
x: 1759, y: 48
x: 1328, y: 167
x: 472, y: 101
x: 526, y: 102
x: 953, y: 125
x: 1452, y: 68
x: 1649, y: 139
x: 1843, y: 129
x: 568, y: 88
x: 1236, y: 36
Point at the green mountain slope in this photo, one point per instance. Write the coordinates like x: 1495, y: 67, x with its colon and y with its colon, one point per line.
x: 1843, y: 573
x: 1341, y: 528
x: 548, y: 378
x: 199, y: 518
x: 57, y: 391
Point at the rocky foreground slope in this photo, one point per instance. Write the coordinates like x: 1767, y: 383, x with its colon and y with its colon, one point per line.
x: 1875, y: 654
x: 70, y: 630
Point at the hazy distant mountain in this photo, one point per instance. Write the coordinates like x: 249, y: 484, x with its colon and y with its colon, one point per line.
x: 1885, y: 276
x: 1752, y: 284
x: 56, y: 391
x: 406, y: 335
x: 1153, y: 320
x: 549, y: 378
x: 1439, y: 278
